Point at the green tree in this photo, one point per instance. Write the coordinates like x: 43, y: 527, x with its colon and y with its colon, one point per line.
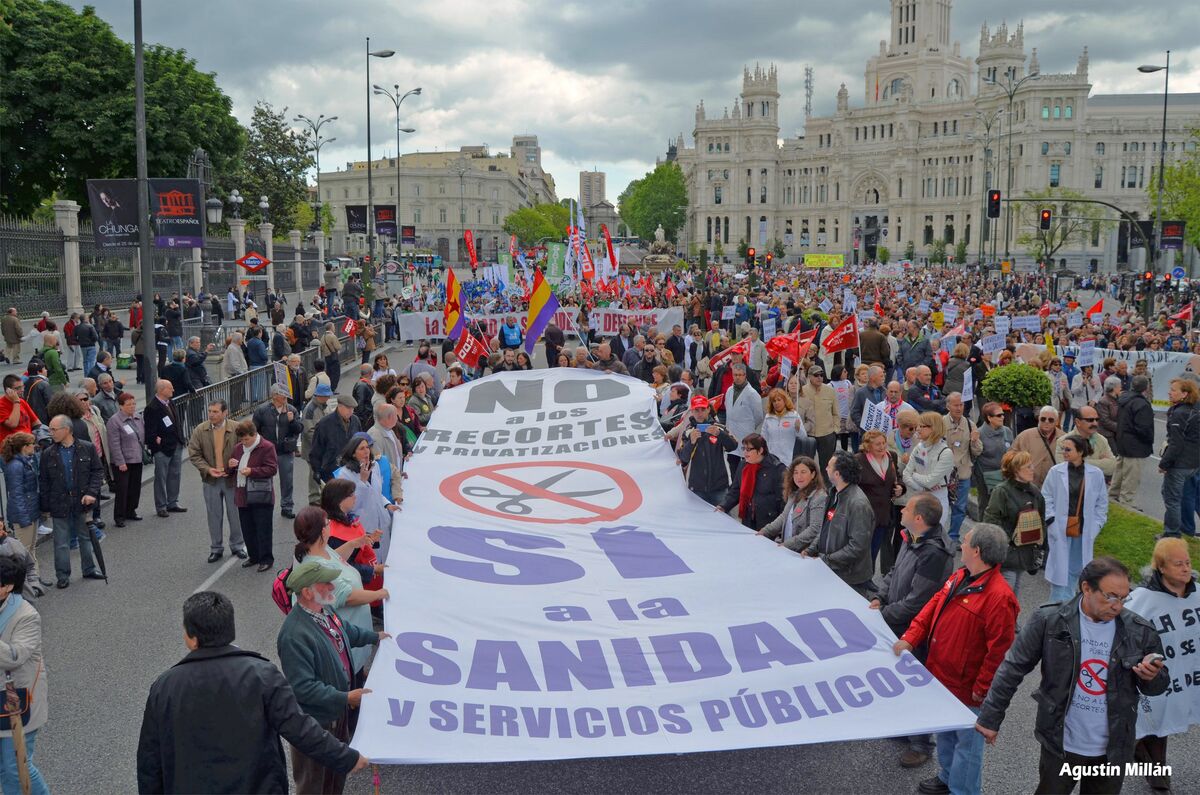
x: 777, y: 248
x: 658, y: 198
x: 719, y: 249
x: 960, y: 251
x: 304, y: 217
x: 1072, y: 222
x: 743, y: 249
x: 531, y: 224
x: 883, y: 255
x: 67, y: 106
x: 274, y: 166
x: 910, y: 251
x: 937, y: 252
x: 1181, y: 191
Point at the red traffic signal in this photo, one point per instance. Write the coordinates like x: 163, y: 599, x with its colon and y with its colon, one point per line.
x: 993, y: 204
x: 1149, y: 276
x: 750, y: 253
x: 770, y: 257
x: 1047, y: 215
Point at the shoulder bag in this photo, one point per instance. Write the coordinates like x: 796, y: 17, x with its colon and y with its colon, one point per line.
x: 18, y: 701
x: 259, y: 491
x: 1075, y: 523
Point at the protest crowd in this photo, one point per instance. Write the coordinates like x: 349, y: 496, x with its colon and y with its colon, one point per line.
x: 842, y: 416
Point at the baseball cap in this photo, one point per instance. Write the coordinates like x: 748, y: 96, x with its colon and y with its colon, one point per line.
x: 310, y: 573
x: 323, y: 390
x: 699, y: 402
x: 815, y: 370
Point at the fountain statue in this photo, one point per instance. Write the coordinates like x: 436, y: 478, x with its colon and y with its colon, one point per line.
x: 662, y: 253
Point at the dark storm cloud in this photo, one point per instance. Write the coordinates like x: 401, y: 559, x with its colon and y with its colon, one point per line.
x: 602, y: 84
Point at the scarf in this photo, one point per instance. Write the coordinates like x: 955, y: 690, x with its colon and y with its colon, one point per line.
x: 9, y: 610
x: 880, y: 465
x: 245, y: 461
x: 746, y: 495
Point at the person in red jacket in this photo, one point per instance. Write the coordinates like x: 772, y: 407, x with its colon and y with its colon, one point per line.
x: 965, y: 630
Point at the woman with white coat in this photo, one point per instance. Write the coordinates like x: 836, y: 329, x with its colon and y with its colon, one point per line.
x: 21, y: 658
x: 1076, y: 497
x: 931, y: 462
x: 782, y: 426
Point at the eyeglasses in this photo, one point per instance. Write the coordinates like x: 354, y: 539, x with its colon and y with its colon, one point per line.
x: 1086, y: 419
x: 1113, y: 599
x: 1046, y: 419
x: 995, y: 416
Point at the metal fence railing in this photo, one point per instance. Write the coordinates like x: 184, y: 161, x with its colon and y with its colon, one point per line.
x: 245, y: 392
x: 32, y: 267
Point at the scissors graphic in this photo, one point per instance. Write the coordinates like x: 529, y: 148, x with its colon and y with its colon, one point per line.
x: 515, y: 503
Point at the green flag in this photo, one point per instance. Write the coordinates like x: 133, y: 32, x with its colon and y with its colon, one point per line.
x: 556, y: 259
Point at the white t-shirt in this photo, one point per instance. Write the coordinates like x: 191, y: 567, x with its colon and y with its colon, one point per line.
x: 1086, y: 727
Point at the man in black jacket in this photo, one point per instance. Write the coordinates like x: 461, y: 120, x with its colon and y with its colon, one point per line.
x: 69, y: 480
x: 702, y: 452
x: 194, y: 361
x: 331, y: 435
x: 279, y: 423
x: 1135, y: 440
x: 164, y: 438
x: 212, y: 723
x: 363, y: 392
x: 922, y: 566
x: 1096, y: 661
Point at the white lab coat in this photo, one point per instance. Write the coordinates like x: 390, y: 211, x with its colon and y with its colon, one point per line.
x: 1056, y: 491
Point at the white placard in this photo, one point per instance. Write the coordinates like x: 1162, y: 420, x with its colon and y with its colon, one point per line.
x: 1087, y: 354
x: 768, y: 325
x: 1003, y: 323
x: 547, y: 603
x: 992, y: 343
x: 1174, y: 618
x: 875, y: 418
x: 727, y: 312
x: 968, y: 387
x: 825, y: 306
x: 1075, y: 320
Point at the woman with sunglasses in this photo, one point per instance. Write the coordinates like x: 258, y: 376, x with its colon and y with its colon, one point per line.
x: 996, y: 438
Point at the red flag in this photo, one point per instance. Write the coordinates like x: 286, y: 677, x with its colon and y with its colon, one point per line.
x: 469, y: 240
x: 1045, y: 310
x: 1097, y: 307
x: 719, y: 358
x: 512, y: 248
x: 469, y: 350
x: 791, y: 346
x: 671, y: 291
x: 1184, y: 314
x: 842, y: 338
x: 349, y: 328
x: 957, y: 331
x: 612, y: 255
x: 589, y: 269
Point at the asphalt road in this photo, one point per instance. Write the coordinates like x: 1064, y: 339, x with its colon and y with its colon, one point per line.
x: 105, y: 644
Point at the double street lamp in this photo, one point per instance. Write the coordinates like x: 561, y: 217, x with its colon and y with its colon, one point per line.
x: 370, y: 165
x: 397, y: 99
x: 1010, y: 88
x: 988, y: 120
x: 1162, y: 159
x: 314, y: 132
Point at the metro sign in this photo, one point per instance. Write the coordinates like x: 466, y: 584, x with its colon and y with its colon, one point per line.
x: 253, y: 261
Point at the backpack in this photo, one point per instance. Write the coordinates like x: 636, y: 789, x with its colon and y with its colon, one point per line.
x: 279, y: 591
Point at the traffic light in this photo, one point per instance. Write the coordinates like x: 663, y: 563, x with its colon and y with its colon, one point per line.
x: 770, y: 257
x: 1148, y: 276
x: 993, y: 207
x: 749, y: 256
x: 1047, y: 216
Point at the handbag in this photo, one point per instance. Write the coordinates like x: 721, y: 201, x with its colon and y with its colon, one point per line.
x: 1028, y: 530
x: 1075, y: 523
x: 24, y: 696
x: 259, y: 491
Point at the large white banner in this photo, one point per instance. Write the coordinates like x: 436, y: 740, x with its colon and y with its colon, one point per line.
x: 1176, y: 620
x: 603, y: 321
x: 556, y: 592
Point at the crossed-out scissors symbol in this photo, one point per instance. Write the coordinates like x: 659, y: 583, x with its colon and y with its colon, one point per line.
x: 514, y: 504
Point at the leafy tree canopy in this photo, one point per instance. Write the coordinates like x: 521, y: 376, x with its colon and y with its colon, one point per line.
x: 67, y: 107
x: 531, y: 224
x: 1072, y: 221
x: 660, y: 197
x: 1181, y: 191
x: 274, y: 165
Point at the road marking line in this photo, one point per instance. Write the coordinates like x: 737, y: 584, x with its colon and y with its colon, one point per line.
x: 216, y: 575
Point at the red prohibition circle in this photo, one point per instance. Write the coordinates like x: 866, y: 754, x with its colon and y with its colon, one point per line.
x: 631, y: 495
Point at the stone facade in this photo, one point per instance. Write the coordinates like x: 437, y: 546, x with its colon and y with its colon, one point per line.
x: 591, y: 188
x: 436, y: 187
x: 913, y: 160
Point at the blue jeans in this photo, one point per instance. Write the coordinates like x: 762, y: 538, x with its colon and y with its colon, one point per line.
x: 1062, y: 593
x: 64, y: 528
x: 958, y: 510
x: 1189, y: 504
x: 176, y: 344
x: 89, y: 358
x: 1172, y: 494
x: 9, y: 779
x: 960, y: 759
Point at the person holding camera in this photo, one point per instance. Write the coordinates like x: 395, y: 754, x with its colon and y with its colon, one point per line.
x: 703, y: 450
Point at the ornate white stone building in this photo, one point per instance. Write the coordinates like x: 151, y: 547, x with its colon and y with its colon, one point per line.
x: 913, y: 158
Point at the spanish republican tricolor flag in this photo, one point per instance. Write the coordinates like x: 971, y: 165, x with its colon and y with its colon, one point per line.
x: 542, y: 306
x: 452, y: 314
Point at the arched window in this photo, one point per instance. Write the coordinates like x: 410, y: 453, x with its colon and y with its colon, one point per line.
x: 708, y: 227
x: 762, y: 195
x: 726, y: 234
x: 954, y: 89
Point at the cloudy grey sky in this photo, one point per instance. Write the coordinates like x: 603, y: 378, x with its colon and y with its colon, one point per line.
x: 602, y: 84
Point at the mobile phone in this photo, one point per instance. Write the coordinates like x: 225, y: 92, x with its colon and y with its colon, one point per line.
x: 702, y: 426
x: 1156, y: 658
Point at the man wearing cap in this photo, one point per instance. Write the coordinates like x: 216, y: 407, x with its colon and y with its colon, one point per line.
x: 331, y: 435
x: 702, y: 451
x: 722, y: 377
x: 313, y: 413
x: 819, y: 408
x: 209, y: 448
x: 279, y: 423
x: 314, y: 653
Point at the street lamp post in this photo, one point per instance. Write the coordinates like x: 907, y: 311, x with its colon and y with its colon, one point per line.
x: 988, y: 121
x: 397, y: 98
x: 314, y: 131
x: 1010, y: 88
x: 370, y: 165
x: 461, y: 167
x: 1162, y: 167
